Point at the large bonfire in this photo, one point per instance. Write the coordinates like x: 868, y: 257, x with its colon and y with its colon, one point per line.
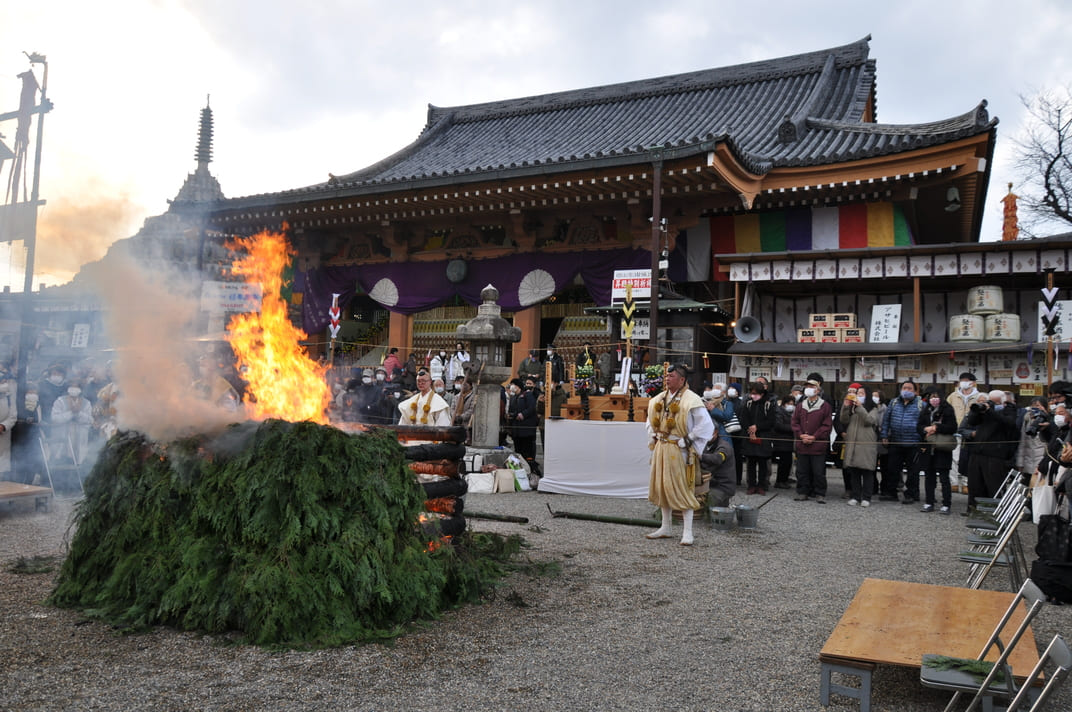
x: 284, y: 381
x: 285, y: 531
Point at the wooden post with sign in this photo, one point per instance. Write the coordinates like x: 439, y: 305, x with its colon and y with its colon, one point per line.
x: 1050, y: 317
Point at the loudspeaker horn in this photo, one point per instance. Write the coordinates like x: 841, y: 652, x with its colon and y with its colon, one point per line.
x: 747, y: 330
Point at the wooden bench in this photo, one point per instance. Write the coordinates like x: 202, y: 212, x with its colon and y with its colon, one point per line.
x: 12, y: 491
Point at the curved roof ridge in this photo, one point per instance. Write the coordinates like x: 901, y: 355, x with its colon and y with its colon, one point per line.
x: 978, y: 118
x: 429, y: 133
x: 793, y: 127
x: 791, y: 65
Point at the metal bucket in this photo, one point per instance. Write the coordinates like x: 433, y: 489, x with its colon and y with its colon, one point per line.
x: 722, y: 518
x: 985, y: 300
x: 747, y: 516
x: 1003, y: 327
x: 966, y: 327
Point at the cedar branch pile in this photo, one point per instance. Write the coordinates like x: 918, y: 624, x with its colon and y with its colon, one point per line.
x: 290, y: 534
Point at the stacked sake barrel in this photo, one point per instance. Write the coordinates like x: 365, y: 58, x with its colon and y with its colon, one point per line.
x: 985, y: 320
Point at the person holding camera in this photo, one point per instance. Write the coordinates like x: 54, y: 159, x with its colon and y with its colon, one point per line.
x: 935, y: 420
x: 994, y: 437
x: 1032, y: 448
x: 859, y: 417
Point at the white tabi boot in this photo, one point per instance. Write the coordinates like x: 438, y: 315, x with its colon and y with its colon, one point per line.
x: 686, y: 536
x: 662, y: 532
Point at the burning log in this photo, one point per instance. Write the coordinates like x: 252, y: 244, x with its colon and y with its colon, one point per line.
x: 445, y: 468
x: 429, y: 433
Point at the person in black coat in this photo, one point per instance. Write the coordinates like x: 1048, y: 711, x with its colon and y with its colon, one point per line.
x: 758, y: 420
x: 522, y: 415
x: 994, y: 438
x: 937, y: 417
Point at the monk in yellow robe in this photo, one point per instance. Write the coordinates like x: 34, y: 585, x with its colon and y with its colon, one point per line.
x: 679, y: 428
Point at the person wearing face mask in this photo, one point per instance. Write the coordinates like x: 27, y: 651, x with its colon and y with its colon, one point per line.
x: 558, y: 366
x: 757, y: 422
x: 733, y: 397
x: 718, y: 407
x: 882, y: 466
x: 437, y: 365
x: 72, y: 415
x: 1032, y: 448
x: 521, y: 414
x: 859, y: 417
x: 51, y: 386
x: 531, y: 365
x: 900, y: 436
x: 963, y: 396
x: 812, y: 423
x: 936, y: 418
x: 1060, y: 428
x: 994, y: 435
x: 456, y: 365
x: 783, y: 442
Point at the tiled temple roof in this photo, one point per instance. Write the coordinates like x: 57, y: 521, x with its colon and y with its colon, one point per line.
x: 802, y: 110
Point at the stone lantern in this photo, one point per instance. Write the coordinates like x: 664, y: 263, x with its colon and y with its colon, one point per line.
x: 488, y: 336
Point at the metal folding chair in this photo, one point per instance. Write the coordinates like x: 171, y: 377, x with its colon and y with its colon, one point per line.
x: 960, y: 681
x: 1006, y: 550
x: 1057, y: 652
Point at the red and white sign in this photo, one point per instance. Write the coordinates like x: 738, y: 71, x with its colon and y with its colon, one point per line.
x: 334, y: 313
x: 638, y: 279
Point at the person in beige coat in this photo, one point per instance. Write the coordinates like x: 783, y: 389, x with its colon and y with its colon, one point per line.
x: 860, y: 417
x: 963, y: 396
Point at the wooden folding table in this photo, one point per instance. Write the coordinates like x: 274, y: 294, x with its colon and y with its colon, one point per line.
x: 897, y: 623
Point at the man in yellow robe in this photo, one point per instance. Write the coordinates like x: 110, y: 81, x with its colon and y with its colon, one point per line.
x: 679, y: 428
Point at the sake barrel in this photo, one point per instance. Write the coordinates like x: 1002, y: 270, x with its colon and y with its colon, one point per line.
x: 985, y: 300
x: 1002, y: 327
x: 966, y: 327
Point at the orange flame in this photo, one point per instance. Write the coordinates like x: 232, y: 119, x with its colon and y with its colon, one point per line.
x: 283, y: 381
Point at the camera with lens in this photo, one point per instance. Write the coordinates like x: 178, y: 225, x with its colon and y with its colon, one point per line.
x: 980, y: 407
x: 1035, y: 419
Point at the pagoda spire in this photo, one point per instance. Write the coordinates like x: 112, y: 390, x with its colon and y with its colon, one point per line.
x: 203, y: 156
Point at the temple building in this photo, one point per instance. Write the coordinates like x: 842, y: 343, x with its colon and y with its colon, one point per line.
x: 743, y: 168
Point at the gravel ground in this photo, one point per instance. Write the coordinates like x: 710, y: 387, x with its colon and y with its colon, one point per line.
x: 732, y: 623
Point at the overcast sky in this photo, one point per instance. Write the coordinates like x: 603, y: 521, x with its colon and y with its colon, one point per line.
x: 299, y: 90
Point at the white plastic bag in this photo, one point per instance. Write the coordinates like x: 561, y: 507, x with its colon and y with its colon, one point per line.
x: 1043, y: 500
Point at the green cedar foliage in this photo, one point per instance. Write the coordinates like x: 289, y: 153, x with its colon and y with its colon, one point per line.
x: 292, y: 534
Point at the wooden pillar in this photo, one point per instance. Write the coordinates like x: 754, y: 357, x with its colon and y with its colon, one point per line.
x: 400, y: 333
x: 917, y: 311
x: 528, y: 320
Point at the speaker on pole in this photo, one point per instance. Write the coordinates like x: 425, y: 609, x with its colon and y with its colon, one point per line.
x: 748, y: 329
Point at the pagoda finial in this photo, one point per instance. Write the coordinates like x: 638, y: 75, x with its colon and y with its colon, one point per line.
x: 203, y: 156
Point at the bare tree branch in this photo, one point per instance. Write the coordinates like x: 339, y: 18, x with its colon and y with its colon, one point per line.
x: 1043, y: 159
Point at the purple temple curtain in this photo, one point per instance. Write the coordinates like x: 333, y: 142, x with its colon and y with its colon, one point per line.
x: 411, y: 287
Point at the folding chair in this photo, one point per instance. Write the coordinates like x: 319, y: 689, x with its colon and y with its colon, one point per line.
x: 1058, y: 653
x: 960, y: 681
x: 985, y: 519
x: 1007, y: 550
x: 989, y: 503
